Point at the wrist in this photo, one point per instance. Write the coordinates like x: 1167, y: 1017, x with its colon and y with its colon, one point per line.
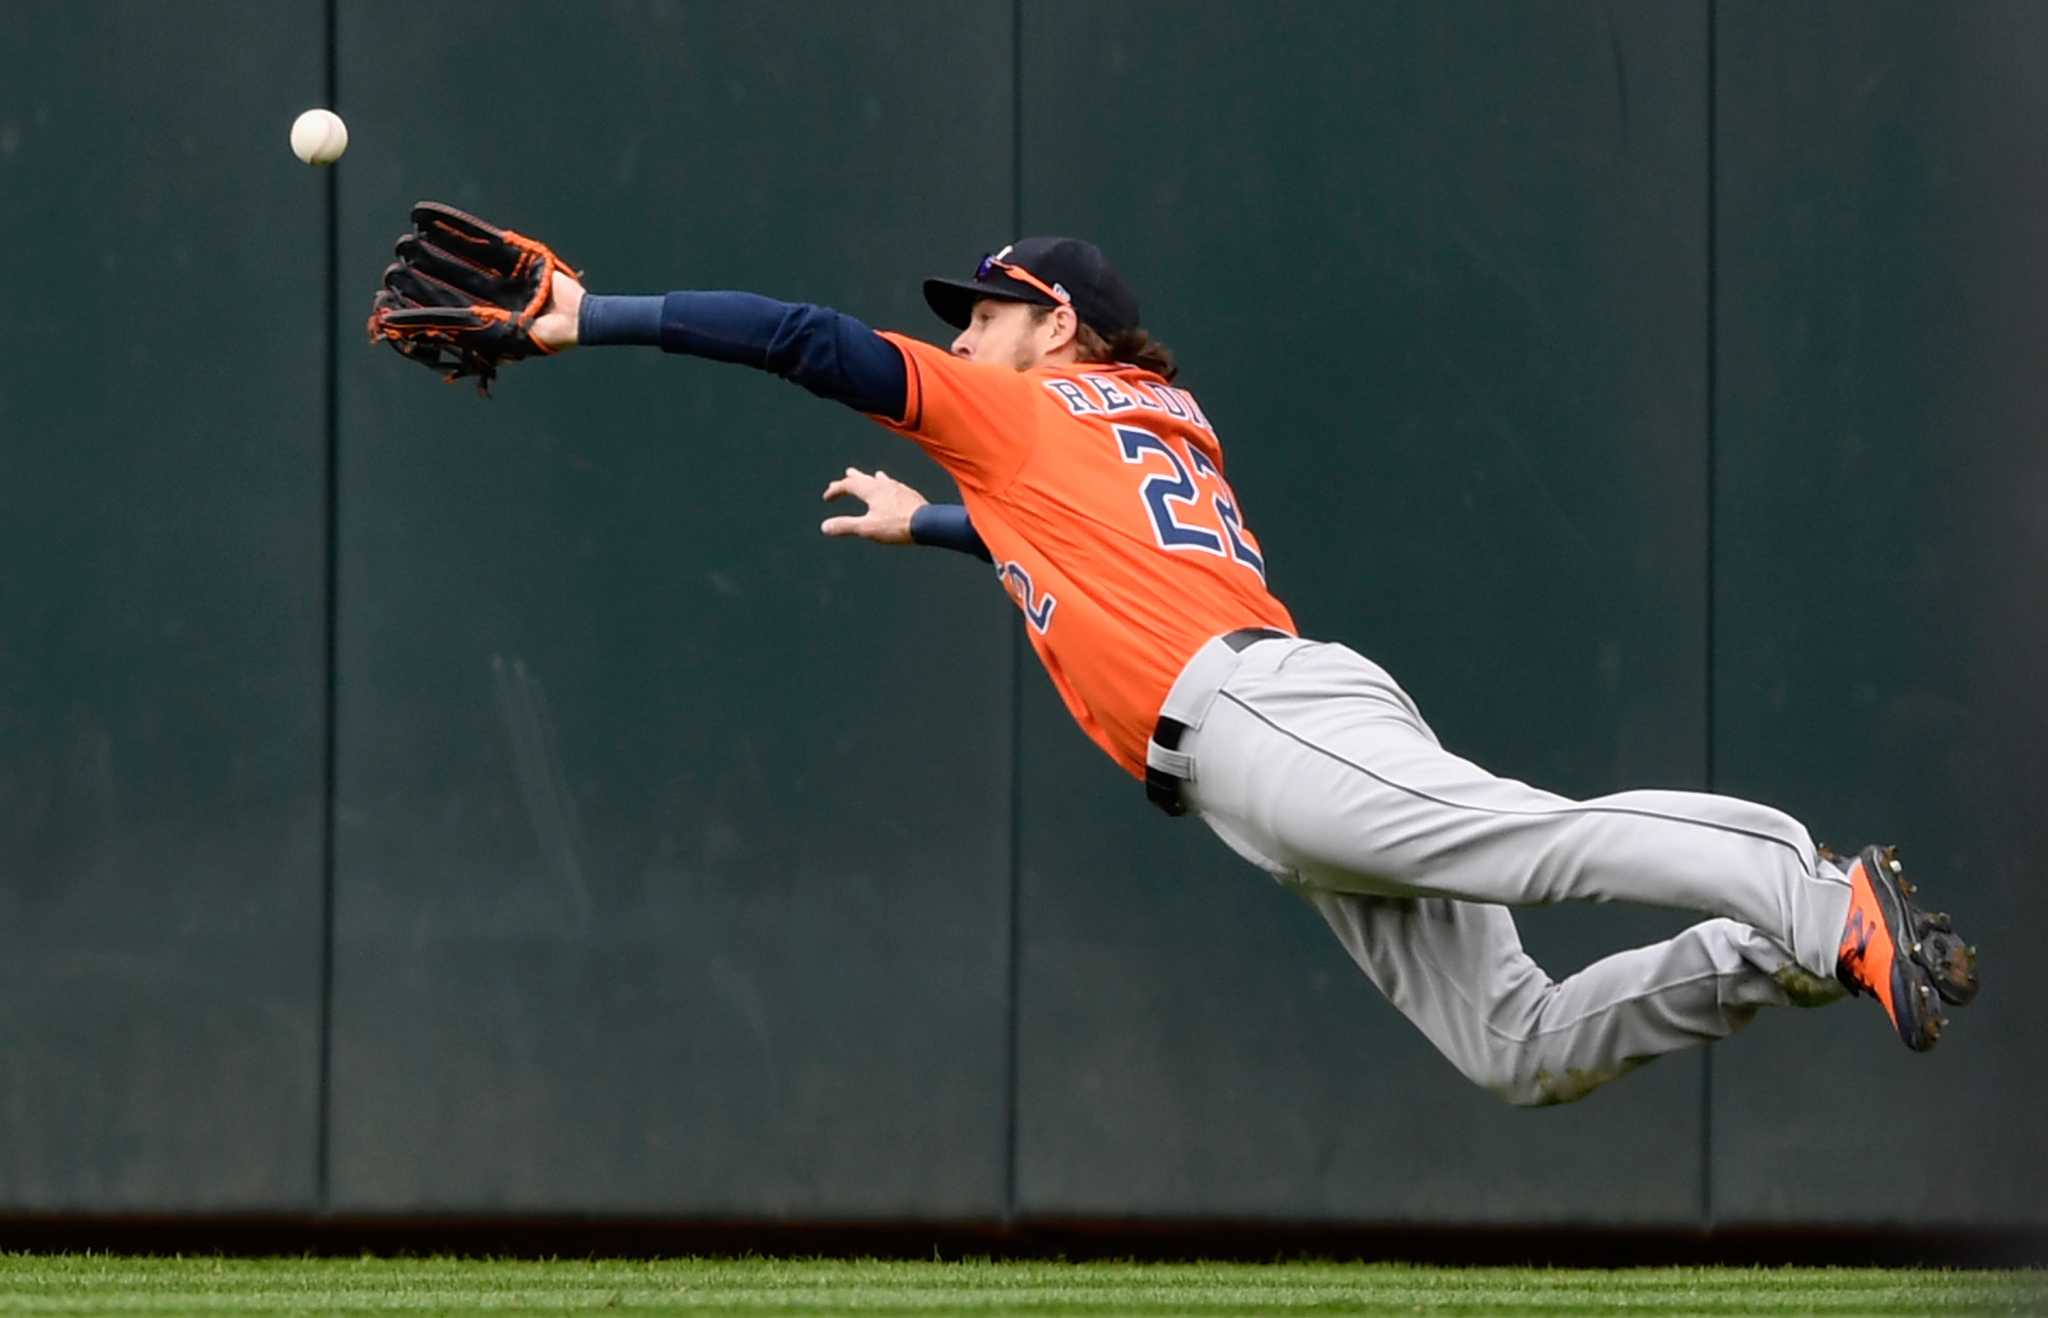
x: 947, y: 526
x: 602, y: 319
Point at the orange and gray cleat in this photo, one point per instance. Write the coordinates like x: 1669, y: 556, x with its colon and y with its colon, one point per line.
x: 1908, y: 960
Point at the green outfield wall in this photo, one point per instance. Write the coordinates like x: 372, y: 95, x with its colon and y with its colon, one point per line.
x: 415, y: 804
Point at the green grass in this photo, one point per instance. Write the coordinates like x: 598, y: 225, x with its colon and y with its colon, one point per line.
x: 109, y: 1284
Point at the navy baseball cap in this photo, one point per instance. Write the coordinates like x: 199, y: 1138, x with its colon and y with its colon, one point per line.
x: 1044, y: 272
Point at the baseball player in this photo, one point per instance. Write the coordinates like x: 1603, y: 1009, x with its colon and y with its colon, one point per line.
x: 1096, y: 488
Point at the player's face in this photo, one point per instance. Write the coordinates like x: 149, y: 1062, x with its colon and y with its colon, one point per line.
x: 1006, y: 333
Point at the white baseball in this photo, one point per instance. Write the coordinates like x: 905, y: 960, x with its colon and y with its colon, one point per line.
x: 319, y: 137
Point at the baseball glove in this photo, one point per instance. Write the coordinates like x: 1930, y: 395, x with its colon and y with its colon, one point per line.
x: 462, y: 296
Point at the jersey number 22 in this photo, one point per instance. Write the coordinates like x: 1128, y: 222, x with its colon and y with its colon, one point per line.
x: 1169, y: 497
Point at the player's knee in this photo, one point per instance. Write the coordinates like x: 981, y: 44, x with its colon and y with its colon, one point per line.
x: 1508, y: 1062
x: 1548, y: 1089
x: 1521, y: 1078
x: 1498, y: 1074
x: 1522, y: 1091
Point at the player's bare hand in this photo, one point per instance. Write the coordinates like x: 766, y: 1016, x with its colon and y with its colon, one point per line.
x: 555, y: 327
x: 890, y: 505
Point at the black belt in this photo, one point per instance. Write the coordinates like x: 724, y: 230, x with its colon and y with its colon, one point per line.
x: 1162, y: 788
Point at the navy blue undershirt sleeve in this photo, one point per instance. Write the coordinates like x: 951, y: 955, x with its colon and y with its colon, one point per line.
x: 827, y: 352
x: 604, y: 320
x: 947, y: 526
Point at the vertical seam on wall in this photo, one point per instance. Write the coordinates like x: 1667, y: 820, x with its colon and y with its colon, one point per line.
x: 1013, y: 1078
x: 1712, y: 385
x: 330, y: 526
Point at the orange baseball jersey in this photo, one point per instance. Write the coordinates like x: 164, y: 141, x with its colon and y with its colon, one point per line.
x: 1099, y: 492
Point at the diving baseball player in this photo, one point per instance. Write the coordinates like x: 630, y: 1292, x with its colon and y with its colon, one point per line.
x: 1095, y: 487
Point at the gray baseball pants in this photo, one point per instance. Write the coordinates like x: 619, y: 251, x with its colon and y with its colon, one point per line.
x: 1311, y: 762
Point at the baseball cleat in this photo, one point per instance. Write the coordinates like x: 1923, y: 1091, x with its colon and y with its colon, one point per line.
x: 1908, y: 960
x: 1951, y: 964
x: 1951, y: 961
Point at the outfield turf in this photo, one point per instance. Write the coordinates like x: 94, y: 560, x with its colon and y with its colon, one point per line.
x: 104, y: 1284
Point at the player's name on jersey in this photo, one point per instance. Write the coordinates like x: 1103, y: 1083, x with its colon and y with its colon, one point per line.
x: 1102, y: 396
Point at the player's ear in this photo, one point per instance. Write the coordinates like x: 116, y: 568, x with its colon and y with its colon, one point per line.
x: 1065, y: 324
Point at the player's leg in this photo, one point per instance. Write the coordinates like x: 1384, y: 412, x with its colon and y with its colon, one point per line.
x: 1458, y: 971
x: 1320, y: 762
x: 1312, y: 760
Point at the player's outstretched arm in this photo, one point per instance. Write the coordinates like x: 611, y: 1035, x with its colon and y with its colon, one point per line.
x: 465, y: 296
x: 899, y: 515
x: 827, y: 352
